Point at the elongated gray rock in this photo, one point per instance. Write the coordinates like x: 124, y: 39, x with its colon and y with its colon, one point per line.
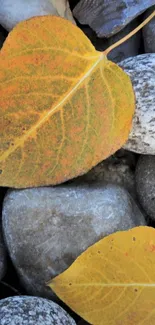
x: 106, y: 17
x: 14, y: 11
x: 149, y: 33
x: 145, y: 184
x: 24, y: 310
x: 141, y: 69
x: 47, y: 228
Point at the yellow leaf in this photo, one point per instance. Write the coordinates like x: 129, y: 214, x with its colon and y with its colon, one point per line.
x: 64, y: 107
x: 113, y: 281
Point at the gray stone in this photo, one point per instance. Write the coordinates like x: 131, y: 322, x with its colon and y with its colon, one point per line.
x: 106, y: 17
x: 24, y: 310
x: 141, y: 69
x: 47, y: 228
x: 123, y: 51
x: 149, y: 33
x: 118, y: 169
x: 2, y: 257
x: 14, y: 11
x: 145, y: 184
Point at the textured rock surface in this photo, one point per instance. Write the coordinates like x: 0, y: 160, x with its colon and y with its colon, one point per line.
x: 32, y: 311
x: 2, y: 257
x: 129, y: 48
x: 47, y: 228
x: 118, y: 169
x: 106, y: 17
x: 145, y: 183
x: 10, y: 16
x: 149, y: 33
x: 141, y: 69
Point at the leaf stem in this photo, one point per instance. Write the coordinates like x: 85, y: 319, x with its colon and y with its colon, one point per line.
x: 125, y: 38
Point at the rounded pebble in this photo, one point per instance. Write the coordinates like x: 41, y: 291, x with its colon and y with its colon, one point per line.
x: 145, y: 184
x: 24, y: 310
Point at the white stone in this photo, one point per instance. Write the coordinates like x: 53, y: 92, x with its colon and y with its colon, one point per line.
x: 14, y: 11
x: 141, y: 69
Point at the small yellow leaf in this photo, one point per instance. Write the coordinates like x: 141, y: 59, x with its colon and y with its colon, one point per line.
x: 113, y: 281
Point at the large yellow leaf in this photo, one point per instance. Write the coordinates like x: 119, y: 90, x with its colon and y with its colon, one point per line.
x: 113, y: 281
x: 63, y: 106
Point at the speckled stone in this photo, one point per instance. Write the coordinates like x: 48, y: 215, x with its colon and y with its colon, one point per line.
x: 47, y: 228
x: 14, y: 11
x: 106, y: 17
x: 141, y: 69
x: 145, y: 184
x: 2, y: 256
x: 149, y: 33
x: 24, y: 310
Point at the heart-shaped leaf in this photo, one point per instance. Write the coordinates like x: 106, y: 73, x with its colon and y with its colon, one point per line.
x: 64, y: 107
x: 113, y: 281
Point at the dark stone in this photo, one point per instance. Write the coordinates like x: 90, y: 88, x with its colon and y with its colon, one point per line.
x: 149, y: 33
x: 106, y: 17
x: 145, y: 184
x: 118, y: 169
x: 22, y: 310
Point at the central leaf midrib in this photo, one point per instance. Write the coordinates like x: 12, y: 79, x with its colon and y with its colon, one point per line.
x: 100, y: 284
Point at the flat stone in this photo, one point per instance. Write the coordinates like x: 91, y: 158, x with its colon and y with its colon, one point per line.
x: 149, y: 33
x: 145, y: 184
x: 24, y: 310
x: 141, y: 69
x: 106, y: 17
x: 46, y: 229
x: 12, y: 12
